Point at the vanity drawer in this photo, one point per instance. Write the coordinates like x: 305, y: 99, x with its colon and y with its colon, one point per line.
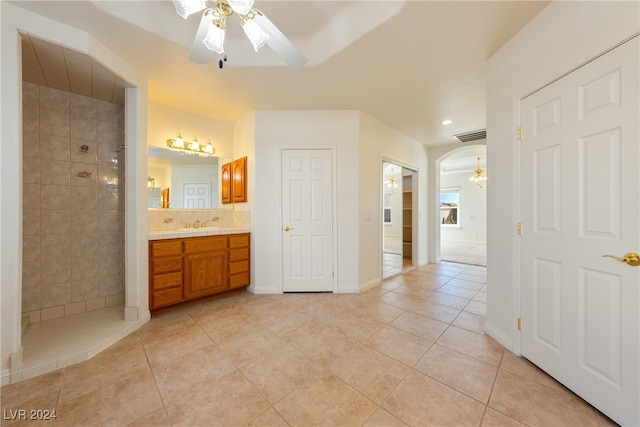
x: 238, y: 254
x: 238, y: 267
x: 238, y: 241
x: 239, y: 280
x: 166, y: 297
x: 169, y: 280
x: 204, y: 244
x: 167, y: 265
x: 165, y: 248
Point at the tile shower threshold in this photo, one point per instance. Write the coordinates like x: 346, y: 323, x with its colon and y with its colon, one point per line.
x: 56, y: 343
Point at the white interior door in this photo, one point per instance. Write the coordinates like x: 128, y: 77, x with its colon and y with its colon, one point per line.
x: 307, y: 220
x: 197, y: 196
x: 580, y: 201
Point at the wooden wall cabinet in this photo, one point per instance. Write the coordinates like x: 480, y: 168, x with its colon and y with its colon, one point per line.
x: 182, y: 270
x: 226, y: 172
x: 234, y: 181
x: 240, y: 180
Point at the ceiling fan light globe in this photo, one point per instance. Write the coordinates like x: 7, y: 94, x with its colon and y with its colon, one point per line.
x: 187, y: 7
x: 214, y: 39
x: 241, y: 7
x: 254, y: 33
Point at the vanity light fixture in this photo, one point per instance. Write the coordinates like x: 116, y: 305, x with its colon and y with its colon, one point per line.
x: 193, y: 147
x: 151, y: 183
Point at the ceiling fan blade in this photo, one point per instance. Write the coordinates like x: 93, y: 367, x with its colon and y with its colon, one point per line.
x: 199, y: 52
x: 280, y: 43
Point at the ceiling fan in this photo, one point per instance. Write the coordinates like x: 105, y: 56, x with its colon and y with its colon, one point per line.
x: 210, y: 35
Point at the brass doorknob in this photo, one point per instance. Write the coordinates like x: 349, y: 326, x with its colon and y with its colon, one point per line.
x: 631, y: 258
x: 287, y: 228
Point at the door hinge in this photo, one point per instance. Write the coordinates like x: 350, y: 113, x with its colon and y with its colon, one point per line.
x: 519, y: 323
x: 519, y: 133
x: 333, y: 274
x: 519, y: 229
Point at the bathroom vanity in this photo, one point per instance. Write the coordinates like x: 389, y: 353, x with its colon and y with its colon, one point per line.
x: 183, y: 269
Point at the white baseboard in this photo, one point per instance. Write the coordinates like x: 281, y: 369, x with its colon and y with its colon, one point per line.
x: 501, y: 338
x: 348, y: 290
x: 5, y: 377
x: 370, y: 284
x: 265, y: 291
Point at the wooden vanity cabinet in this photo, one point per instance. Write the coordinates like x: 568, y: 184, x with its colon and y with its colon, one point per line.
x: 206, y: 267
x: 239, y: 261
x: 165, y: 273
x: 186, y: 269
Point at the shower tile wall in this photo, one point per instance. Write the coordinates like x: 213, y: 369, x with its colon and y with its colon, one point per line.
x: 73, y: 203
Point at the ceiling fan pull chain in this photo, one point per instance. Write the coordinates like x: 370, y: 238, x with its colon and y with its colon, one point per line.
x: 220, y: 61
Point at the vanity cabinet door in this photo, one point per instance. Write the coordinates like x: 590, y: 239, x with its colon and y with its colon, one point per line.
x: 205, y: 273
x: 225, y: 182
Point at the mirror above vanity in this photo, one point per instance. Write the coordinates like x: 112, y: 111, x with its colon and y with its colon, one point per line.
x: 182, y: 180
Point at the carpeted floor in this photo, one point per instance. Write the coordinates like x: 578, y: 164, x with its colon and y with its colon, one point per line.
x: 464, y: 252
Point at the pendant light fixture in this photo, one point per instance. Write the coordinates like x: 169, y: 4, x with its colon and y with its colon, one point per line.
x: 479, y: 175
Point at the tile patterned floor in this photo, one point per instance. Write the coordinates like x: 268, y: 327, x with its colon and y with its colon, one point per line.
x: 408, y: 352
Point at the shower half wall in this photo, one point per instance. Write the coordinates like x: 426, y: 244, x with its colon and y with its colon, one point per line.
x: 73, y: 203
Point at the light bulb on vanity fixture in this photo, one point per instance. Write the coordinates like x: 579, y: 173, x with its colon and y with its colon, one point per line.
x: 192, y: 147
x: 176, y: 143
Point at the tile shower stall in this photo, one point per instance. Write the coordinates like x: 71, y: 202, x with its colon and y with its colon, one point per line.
x: 73, y: 203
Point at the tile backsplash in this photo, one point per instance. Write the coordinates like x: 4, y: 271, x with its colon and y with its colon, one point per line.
x: 172, y: 219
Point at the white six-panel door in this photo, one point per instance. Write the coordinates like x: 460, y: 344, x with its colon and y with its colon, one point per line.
x: 197, y: 196
x: 307, y: 220
x: 580, y: 156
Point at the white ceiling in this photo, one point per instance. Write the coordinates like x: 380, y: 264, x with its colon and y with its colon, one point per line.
x: 410, y: 64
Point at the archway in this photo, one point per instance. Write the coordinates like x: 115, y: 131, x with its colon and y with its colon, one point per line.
x: 465, y: 237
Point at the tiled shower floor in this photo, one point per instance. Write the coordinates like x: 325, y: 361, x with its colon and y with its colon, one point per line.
x: 57, y: 343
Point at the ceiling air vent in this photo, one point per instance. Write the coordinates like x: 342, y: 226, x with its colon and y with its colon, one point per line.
x: 471, y: 136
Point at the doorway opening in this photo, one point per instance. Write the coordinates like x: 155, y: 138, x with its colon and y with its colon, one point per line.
x: 463, y: 206
x: 398, y: 219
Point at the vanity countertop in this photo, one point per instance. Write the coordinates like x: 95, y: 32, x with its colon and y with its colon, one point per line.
x: 196, y: 232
